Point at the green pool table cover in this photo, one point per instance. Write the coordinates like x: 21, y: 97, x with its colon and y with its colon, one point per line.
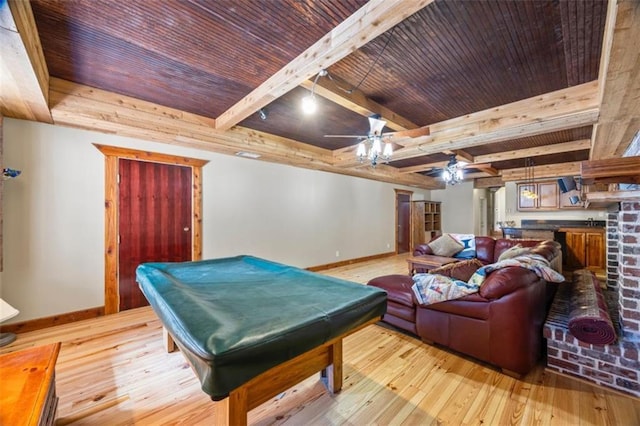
x: 235, y: 318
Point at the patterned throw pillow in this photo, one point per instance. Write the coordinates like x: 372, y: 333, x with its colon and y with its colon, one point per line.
x: 469, y: 243
x: 459, y: 270
x: 445, y: 246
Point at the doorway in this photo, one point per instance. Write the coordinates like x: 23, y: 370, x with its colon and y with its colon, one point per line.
x: 113, y: 155
x: 403, y: 221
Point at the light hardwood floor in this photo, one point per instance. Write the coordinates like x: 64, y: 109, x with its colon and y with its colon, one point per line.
x: 114, y: 371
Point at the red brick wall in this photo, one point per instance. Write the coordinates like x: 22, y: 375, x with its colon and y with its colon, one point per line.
x: 629, y: 269
x: 618, y: 365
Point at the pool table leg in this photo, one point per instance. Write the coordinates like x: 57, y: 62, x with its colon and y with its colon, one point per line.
x: 331, y: 376
x: 169, y: 344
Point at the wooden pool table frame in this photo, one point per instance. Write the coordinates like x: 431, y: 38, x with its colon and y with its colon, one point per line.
x: 326, y: 358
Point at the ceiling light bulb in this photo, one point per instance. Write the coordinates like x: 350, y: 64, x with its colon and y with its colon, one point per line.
x: 446, y: 175
x: 362, y: 151
x: 376, y: 146
x: 388, y: 150
x: 459, y: 175
x: 309, y: 105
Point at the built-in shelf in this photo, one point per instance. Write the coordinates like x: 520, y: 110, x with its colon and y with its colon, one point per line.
x: 606, y: 199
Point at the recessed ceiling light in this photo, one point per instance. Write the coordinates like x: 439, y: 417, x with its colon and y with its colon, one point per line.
x: 248, y: 154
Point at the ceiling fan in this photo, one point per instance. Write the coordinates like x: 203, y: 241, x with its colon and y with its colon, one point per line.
x: 371, y: 145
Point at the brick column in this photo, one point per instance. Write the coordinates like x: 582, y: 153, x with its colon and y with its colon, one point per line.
x: 629, y: 269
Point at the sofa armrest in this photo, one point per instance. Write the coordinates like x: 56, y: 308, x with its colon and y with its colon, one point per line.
x: 505, y: 281
x: 422, y: 249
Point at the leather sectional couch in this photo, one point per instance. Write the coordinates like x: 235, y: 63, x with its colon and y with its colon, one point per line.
x: 501, y: 324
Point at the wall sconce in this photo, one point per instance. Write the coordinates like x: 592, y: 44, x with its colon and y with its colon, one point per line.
x: 10, y: 173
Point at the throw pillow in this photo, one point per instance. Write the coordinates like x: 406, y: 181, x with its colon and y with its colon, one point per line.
x: 446, y: 246
x: 459, y: 270
x: 514, y: 251
x: 469, y: 243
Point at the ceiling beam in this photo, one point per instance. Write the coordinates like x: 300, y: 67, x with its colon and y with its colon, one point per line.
x: 24, y: 77
x: 488, y: 182
x: 625, y: 169
x: 340, y: 92
x: 558, y: 148
x: 560, y: 110
x: 620, y: 110
x: 368, y: 22
x: 93, y: 109
x: 544, y: 171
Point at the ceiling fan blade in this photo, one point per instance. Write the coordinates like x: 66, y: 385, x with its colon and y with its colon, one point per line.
x: 412, y: 133
x: 346, y: 136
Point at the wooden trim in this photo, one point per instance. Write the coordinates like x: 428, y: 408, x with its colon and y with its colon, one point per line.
x: 24, y: 78
x: 349, y: 262
x: 112, y: 155
x: 45, y: 322
x: 410, y: 194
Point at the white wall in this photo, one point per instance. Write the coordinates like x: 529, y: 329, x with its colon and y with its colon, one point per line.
x: 458, y: 206
x: 54, y: 214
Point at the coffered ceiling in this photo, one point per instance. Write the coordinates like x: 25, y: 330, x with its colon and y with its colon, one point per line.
x: 494, y: 82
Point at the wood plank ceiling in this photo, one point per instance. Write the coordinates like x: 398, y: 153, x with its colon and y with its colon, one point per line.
x: 496, y: 81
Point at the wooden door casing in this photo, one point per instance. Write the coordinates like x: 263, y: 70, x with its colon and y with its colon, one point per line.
x: 155, y: 215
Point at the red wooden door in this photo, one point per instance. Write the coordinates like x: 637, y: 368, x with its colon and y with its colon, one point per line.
x: 155, y: 216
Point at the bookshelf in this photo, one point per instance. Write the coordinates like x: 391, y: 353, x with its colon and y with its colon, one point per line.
x: 426, y: 221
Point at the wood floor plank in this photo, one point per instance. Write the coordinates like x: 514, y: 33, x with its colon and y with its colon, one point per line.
x: 114, y: 370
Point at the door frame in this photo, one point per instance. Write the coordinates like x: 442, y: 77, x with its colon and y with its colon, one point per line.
x: 112, y: 154
x: 410, y: 194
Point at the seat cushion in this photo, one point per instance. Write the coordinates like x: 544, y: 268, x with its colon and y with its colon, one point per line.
x: 398, y: 288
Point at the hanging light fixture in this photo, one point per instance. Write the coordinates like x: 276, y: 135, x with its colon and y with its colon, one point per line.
x: 452, y: 173
x: 373, y: 147
x: 529, y: 179
x: 309, y: 103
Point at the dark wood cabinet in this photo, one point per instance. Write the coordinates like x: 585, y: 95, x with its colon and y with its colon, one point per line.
x: 548, y: 196
x: 586, y: 249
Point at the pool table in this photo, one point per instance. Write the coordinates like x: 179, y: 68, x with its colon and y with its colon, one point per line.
x: 251, y: 328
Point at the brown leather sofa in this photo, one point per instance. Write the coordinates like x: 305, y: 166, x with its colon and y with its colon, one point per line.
x: 501, y: 324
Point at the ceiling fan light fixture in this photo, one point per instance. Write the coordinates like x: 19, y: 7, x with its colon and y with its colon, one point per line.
x: 452, y: 173
x: 388, y: 151
x: 309, y: 105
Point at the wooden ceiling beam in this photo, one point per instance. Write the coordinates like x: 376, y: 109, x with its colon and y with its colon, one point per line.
x: 24, y: 77
x: 367, y: 23
x: 340, y: 92
x: 560, y: 110
x: 558, y: 148
x: 623, y: 170
x: 488, y: 182
x: 544, y: 171
x: 93, y: 109
x: 620, y: 81
x: 486, y: 168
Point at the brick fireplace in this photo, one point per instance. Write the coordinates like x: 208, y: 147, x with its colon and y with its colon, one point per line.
x: 617, y: 365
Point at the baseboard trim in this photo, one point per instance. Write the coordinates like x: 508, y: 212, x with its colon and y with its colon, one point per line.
x: 349, y: 262
x: 40, y: 323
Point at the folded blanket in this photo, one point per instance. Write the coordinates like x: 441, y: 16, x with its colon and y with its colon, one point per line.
x: 433, y: 288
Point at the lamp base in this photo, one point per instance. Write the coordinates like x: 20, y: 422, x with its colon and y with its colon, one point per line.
x: 7, y: 338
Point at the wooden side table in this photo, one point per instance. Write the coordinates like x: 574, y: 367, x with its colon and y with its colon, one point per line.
x: 27, y: 386
x: 428, y: 261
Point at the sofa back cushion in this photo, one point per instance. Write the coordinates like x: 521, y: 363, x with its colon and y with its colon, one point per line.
x: 459, y: 270
x: 505, y: 281
x: 503, y: 244
x: 485, y: 246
